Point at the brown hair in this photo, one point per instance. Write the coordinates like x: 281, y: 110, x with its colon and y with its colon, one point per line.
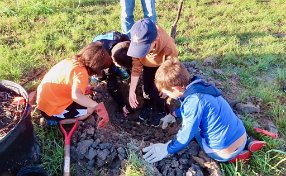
x: 172, y: 73
x: 94, y: 57
x: 119, y: 54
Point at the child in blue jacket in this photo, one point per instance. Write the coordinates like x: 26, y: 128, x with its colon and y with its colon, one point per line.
x: 205, y: 114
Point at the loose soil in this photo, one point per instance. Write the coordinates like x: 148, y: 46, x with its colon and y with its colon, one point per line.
x: 105, y: 151
x: 10, y: 114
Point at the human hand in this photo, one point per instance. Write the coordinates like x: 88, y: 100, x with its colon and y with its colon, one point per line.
x: 132, y: 99
x: 125, y: 111
x: 163, y: 95
x: 155, y: 152
x: 102, y: 113
x: 88, y: 90
x: 168, y: 119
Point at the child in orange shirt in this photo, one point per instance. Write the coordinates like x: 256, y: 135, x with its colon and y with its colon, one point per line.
x: 60, y: 96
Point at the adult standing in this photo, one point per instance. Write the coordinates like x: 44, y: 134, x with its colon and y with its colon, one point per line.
x: 127, y: 17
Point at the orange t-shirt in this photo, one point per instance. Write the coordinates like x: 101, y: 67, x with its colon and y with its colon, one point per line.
x: 54, y: 92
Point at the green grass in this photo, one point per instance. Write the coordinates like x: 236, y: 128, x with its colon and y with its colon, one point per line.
x: 134, y: 165
x: 52, y: 143
x: 245, y: 37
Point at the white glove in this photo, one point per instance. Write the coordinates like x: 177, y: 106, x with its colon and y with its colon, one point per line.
x: 167, y: 119
x: 155, y: 152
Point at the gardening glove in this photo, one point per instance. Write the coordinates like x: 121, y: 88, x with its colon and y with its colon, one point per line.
x: 102, y: 113
x: 169, y: 118
x: 155, y: 152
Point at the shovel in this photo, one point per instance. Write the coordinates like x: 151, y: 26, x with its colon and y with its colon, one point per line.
x: 67, y: 146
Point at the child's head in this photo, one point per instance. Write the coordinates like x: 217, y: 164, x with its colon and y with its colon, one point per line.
x: 119, y: 55
x: 172, y: 77
x: 95, y: 58
x: 143, y: 34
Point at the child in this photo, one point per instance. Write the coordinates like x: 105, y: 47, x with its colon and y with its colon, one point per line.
x: 116, y: 44
x: 60, y: 95
x: 109, y: 41
x: 205, y: 115
x: 150, y: 46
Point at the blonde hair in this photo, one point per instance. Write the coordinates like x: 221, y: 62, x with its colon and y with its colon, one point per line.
x: 172, y: 73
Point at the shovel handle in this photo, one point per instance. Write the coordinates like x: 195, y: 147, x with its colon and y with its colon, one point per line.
x: 267, y: 133
x: 67, y: 136
x: 67, y: 160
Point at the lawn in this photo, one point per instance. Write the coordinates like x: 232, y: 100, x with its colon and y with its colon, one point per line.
x: 245, y: 38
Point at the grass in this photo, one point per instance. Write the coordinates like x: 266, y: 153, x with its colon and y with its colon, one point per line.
x: 52, y: 149
x: 247, y: 38
x: 134, y: 165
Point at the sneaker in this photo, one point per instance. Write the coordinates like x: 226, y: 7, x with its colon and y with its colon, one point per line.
x: 255, y: 145
x: 243, y: 156
x: 145, y: 114
x: 44, y: 122
x: 52, y: 123
x: 156, y: 119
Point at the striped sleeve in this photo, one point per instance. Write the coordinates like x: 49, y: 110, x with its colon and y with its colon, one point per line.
x: 191, y: 111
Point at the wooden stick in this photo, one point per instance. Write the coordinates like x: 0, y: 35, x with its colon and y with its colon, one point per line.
x: 174, y: 26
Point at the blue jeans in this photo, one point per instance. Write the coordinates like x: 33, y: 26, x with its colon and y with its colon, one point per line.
x: 214, y: 155
x: 127, y: 17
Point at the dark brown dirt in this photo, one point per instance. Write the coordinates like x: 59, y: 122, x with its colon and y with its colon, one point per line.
x: 91, y: 145
x: 10, y: 114
x: 119, y: 133
x: 105, y: 151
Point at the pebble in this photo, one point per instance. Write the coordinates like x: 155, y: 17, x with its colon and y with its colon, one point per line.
x: 175, y: 164
x: 103, y: 154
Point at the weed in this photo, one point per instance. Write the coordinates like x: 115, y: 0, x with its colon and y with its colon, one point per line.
x: 52, y: 149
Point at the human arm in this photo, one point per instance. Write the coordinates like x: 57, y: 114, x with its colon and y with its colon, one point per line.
x: 136, y: 72
x: 192, y: 112
x: 78, y: 88
x: 177, y: 113
x: 80, y: 81
x: 81, y: 99
x: 191, y: 122
x: 132, y: 95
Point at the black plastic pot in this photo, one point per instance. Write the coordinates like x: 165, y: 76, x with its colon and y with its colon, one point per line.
x: 19, y: 147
